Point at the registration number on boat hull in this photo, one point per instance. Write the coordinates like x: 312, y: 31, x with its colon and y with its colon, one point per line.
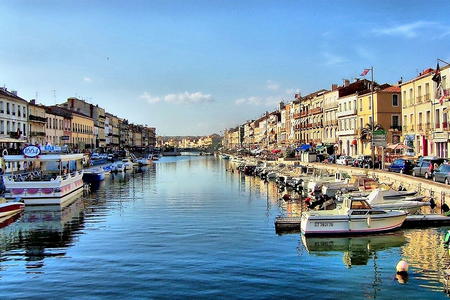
x: 323, y: 224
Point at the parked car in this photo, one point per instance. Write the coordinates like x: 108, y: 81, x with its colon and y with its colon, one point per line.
x: 344, y: 160
x: 403, y: 166
x: 426, y: 166
x: 363, y: 161
x: 442, y: 174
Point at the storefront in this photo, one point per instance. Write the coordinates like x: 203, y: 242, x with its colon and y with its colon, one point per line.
x: 441, y: 140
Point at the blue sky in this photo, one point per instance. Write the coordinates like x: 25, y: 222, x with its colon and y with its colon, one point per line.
x: 197, y: 67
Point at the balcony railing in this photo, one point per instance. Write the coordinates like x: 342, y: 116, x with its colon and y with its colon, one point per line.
x: 420, y: 127
x: 303, y: 113
x: 419, y: 99
x: 316, y: 110
x: 37, y: 133
x: 297, y: 116
x: 445, y: 125
x: 427, y: 126
x: 396, y: 127
x: 37, y: 118
x: 426, y: 97
x: 438, y: 125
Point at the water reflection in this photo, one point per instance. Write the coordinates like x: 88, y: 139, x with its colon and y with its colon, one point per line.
x: 356, y: 250
x: 42, y: 231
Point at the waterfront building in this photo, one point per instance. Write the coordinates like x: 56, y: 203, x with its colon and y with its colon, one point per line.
x: 13, y: 119
x: 54, y: 130
x: 441, y: 132
x: 417, y: 95
x: 123, y: 129
x: 295, y: 119
x: 82, y: 131
x: 93, y: 111
x: 37, y: 121
x: 387, y: 112
x: 347, y: 119
x: 56, y: 133
x: 316, y: 118
x: 330, y: 123
x: 114, y: 131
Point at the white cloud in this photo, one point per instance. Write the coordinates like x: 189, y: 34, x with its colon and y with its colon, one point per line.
x: 272, y: 85
x: 180, y: 98
x: 292, y: 91
x: 249, y: 100
x: 412, y: 30
x: 257, y: 100
x: 149, y: 98
x: 330, y: 59
x: 87, y: 79
x: 188, y: 98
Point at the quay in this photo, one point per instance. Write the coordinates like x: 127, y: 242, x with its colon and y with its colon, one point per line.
x: 292, y: 224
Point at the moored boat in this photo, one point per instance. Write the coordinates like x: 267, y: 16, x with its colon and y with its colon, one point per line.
x: 10, y: 208
x: 353, y: 217
x: 44, y: 179
x: 94, y: 175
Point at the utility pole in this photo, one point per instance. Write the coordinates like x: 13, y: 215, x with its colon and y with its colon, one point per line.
x: 373, y: 121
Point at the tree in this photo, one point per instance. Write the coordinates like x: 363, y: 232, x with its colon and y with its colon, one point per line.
x: 366, y: 132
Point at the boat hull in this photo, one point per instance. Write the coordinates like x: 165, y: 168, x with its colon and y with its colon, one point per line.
x: 93, y: 177
x: 332, y: 225
x: 8, y: 209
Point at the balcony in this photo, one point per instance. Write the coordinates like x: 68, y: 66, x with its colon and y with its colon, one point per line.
x: 419, y: 127
x: 303, y: 113
x: 419, y: 99
x: 297, y: 116
x: 438, y: 125
x: 426, y: 97
x: 37, y: 133
x: 445, y: 125
x: 315, y: 111
x: 396, y: 128
x: 346, y: 132
x: 347, y: 112
x: 37, y: 119
x: 427, y: 126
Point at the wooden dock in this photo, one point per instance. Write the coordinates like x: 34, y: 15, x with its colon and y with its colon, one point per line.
x: 292, y: 224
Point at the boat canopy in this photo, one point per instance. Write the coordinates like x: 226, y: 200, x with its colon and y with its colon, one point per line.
x: 303, y: 147
x: 45, y: 157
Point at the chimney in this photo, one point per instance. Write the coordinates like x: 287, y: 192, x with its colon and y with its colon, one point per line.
x: 334, y: 87
x: 346, y: 82
x: 400, y: 81
x: 14, y: 93
x: 32, y: 101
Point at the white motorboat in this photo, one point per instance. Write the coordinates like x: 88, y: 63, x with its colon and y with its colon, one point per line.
x: 145, y: 161
x: 353, y: 217
x: 45, y: 178
x: 411, y: 204
x: 119, y: 166
x: 128, y: 163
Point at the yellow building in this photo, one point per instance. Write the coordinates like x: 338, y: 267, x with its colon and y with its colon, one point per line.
x: 82, y: 131
x: 387, y: 112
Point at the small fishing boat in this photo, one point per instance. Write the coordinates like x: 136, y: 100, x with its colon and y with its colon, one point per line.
x: 155, y: 157
x: 353, y: 217
x: 224, y: 156
x: 145, y: 160
x: 98, y: 159
x: 120, y: 167
x: 94, y: 175
x: 10, y: 208
x: 128, y: 163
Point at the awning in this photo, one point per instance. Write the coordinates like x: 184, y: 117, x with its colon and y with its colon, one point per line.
x: 354, y: 142
x: 398, y: 147
x: 320, y: 148
x: 276, y: 151
x: 11, y: 140
x: 303, y: 147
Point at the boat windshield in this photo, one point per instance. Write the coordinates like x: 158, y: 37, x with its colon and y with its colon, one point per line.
x: 358, y: 204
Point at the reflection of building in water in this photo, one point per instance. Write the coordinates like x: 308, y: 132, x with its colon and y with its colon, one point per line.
x: 41, y: 232
x: 425, y: 252
x: 356, y: 250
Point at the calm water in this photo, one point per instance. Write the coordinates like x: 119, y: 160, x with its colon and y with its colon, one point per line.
x: 187, y: 227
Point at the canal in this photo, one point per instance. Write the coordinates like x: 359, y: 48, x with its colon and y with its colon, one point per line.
x: 186, y: 227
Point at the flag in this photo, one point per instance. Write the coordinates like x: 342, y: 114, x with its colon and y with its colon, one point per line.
x: 364, y: 73
x: 440, y: 95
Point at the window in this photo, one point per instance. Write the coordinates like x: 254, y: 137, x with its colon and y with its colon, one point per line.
x: 13, y: 109
x: 18, y: 111
x: 360, y: 104
x: 395, y: 100
x: 361, y: 123
x: 1, y: 107
x: 404, y: 98
x: 427, y: 89
x: 370, y: 120
x: 370, y: 102
x: 24, y: 129
x: 7, y: 108
x: 395, y: 121
x: 2, y: 127
x: 24, y: 112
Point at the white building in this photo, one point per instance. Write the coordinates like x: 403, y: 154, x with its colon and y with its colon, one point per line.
x: 346, y: 132
x: 13, y: 119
